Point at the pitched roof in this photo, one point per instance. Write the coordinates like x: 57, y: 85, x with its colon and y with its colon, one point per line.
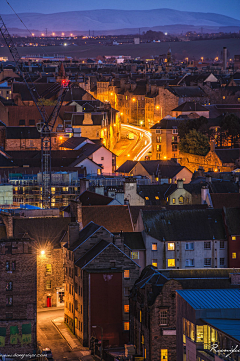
x: 134, y: 240
x: 92, y: 253
x: 232, y: 216
x: 187, y: 91
x: 167, y: 123
x: 42, y: 229
x: 228, y: 200
x: 73, y: 142
x: 45, y: 90
x: 228, y: 155
x: 113, y: 218
x: 212, y: 299
x: 88, y: 198
x: 127, y: 166
x: 22, y: 133
x: 84, y: 234
x: 182, y: 225
x: 190, y: 107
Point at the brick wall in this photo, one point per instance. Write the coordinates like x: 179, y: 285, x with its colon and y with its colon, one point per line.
x: 18, y: 299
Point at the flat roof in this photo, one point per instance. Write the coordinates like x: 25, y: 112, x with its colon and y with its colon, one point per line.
x: 228, y: 326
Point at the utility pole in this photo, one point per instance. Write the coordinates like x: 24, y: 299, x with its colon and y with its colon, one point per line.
x: 46, y: 31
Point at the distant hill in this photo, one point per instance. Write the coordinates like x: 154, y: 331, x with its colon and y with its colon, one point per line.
x: 107, y: 20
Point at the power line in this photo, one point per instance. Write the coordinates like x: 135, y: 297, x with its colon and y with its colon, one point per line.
x: 18, y: 17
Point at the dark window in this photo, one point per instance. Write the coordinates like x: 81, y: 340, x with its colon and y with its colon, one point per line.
x: 163, y: 317
x: 7, y: 266
x: 9, y: 286
x: 126, y: 291
x: 9, y: 316
x: 207, y: 262
x: 21, y: 121
x: 222, y: 246
x: 222, y: 261
x: 174, y: 147
x: 207, y: 245
x: 31, y: 121
x: 9, y: 301
x: 13, y: 265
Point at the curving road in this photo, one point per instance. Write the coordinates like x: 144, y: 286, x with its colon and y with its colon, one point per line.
x: 135, y: 149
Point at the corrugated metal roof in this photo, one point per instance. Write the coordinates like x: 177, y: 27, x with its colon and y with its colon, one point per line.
x: 209, y: 299
x: 230, y: 327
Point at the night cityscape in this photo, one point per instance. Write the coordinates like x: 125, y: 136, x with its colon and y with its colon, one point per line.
x: 120, y: 180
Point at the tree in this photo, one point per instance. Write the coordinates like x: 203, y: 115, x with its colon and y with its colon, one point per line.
x: 186, y: 126
x: 194, y: 143
x: 230, y: 129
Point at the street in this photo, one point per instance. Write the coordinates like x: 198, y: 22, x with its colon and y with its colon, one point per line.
x: 48, y: 336
x: 135, y: 149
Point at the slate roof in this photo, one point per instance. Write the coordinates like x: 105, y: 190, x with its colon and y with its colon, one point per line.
x: 232, y: 217
x: 153, y: 194
x: 228, y: 155
x: 7, y: 102
x: 75, y: 93
x: 84, y: 234
x: 184, y: 225
x: 187, y: 91
x: 127, y: 166
x: 113, y: 218
x: 228, y: 200
x: 212, y: 299
x: 45, y: 90
x: 167, y: 124
x: 73, y: 142
x: 223, y: 186
x: 228, y: 326
x: 134, y: 240
x: 97, y: 117
x: 6, y: 162
x: 42, y: 229
x: 88, y: 198
x: 92, y: 253
x: 190, y: 107
x: 22, y: 133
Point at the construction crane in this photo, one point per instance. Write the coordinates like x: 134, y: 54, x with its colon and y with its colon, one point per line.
x: 45, y: 127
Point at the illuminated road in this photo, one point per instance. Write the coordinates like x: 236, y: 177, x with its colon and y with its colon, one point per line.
x: 135, y: 149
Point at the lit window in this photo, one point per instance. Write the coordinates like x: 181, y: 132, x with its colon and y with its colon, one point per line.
x: 171, y: 246
x: 174, y: 200
x: 99, y: 171
x: 199, y: 333
x: 234, y: 255
x: 171, y: 262
x: 180, y: 199
x: 157, y: 197
x: 163, y: 317
x: 164, y: 355
x: 126, y: 308
x: 126, y: 273
x: 126, y: 326
x: 147, y: 198
x: 234, y: 238
x: 154, y: 262
x: 48, y: 269
x: 142, y: 340
x: 140, y: 316
x: 135, y: 255
x: 154, y: 246
x: 48, y: 285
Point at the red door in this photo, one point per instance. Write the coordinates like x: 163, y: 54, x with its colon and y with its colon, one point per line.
x: 49, y: 301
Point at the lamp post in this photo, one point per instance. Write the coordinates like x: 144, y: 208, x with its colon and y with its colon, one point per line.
x: 101, y: 340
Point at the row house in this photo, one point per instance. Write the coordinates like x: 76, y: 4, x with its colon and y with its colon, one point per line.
x: 193, y: 238
x: 99, y: 274
x: 156, y: 312
x: 18, y: 298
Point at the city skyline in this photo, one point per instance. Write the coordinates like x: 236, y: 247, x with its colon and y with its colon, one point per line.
x: 232, y: 9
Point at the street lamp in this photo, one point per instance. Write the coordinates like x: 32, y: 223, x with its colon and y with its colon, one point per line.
x: 101, y: 339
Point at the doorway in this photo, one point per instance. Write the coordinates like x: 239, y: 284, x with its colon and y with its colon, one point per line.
x: 49, y: 301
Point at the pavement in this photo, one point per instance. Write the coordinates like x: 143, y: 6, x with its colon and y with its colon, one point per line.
x: 83, y: 353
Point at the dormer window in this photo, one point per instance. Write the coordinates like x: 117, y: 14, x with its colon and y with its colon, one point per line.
x: 159, y: 131
x: 175, y: 131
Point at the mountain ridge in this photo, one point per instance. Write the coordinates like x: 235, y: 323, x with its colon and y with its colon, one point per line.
x: 111, y: 19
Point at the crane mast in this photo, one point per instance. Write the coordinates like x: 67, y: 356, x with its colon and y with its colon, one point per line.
x: 45, y: 127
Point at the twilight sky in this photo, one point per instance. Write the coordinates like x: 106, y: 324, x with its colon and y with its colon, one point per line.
x: 229, y: 8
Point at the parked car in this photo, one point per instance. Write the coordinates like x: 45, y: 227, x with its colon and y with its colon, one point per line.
x: 47, y: 353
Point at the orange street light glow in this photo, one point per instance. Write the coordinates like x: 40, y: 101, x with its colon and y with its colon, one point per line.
x: 53, y: 34
x: 32, y: 34
x: 134, y: 100
x: 42, y: 34
x: 62, y: 34
x: 165, y: 157
x: 42, y: 252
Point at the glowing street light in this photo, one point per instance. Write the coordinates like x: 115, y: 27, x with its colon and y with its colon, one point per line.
x: 53, y: 34
x: 42, y: 34
x: 42, y: 252
x: 32, y: 34
x: 63, y: 34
